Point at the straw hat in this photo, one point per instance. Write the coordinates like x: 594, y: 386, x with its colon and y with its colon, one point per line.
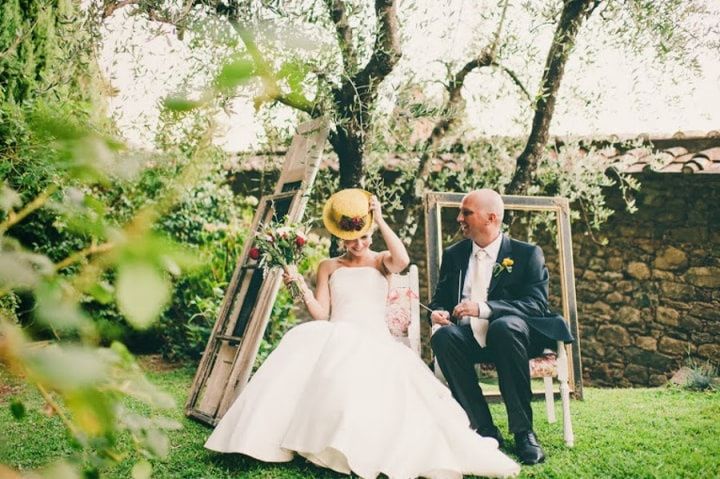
x: 347, y: 214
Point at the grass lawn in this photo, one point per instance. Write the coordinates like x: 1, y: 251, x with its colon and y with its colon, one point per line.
x: 638, y: 433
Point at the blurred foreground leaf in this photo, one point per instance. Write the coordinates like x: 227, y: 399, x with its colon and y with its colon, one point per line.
x: 180, y: 104
x: 235, y: 73
x: 142, y: 470
x: 142, y: 293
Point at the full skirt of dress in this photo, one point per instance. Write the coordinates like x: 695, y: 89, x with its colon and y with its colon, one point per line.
x: 349, y: 399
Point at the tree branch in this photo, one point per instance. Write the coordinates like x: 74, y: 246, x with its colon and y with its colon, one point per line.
x: 386, y: 51
x: 515, y: 79
x: 271, y: 90
x: 573, y: 14
x: 338, y: 14
x: 109, y: 7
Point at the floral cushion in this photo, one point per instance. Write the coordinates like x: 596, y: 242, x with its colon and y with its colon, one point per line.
x: 540, y: 367
x: 398, y: 311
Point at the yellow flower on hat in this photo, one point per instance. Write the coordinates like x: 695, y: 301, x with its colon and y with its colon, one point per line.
x: 347, y: 214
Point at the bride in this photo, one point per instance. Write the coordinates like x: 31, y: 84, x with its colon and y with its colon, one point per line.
x: 340, y: 391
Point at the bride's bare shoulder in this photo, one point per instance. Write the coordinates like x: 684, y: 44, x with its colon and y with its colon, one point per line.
x: 327, y: 267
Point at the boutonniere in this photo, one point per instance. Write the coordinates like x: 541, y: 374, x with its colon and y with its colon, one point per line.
x: 505, y: 265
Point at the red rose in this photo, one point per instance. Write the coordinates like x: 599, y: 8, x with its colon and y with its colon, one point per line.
x: 254, y: 253
x: 300, y: 241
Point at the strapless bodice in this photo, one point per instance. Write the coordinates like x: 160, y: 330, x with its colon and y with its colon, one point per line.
x: 358, y: 295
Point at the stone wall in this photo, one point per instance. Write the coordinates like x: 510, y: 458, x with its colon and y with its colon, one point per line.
x: 650, y: 299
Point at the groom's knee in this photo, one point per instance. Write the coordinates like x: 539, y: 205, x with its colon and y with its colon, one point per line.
x: 507, y: 328
x: 444, y: 337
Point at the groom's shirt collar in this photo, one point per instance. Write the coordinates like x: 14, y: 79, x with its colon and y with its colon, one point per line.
x: 493, y: 249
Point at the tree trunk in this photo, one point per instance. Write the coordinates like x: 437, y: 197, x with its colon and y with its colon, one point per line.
x: 573, y: 14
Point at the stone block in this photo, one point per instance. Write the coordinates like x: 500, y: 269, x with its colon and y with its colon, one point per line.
x: 625, y: 286
x: 592, y: 349
x: 706, y: 310
x: 602, y: 309
x: 615, y: 298
x: 636, y: 374
x: 648, y: 343
x: 590, y: 275
x: 651, y: 359
x: 671, y: 258
x: 674, y: 346
x: 666, y: 275
x: 709, y: 351
x: 610, y: 276
x: 638, y: 270
x: 690, y: 324
x: 596, y: 264
x: 677, y: 290
x: 613, y: 335
x: 667, y: 316
x: 648, y: 246
x: 615, y: 263
x: 657, y: 380
x: 704, y: 277
x: 628, y: 315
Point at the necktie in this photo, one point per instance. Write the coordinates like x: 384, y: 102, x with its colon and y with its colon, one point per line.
x: 478, y: 293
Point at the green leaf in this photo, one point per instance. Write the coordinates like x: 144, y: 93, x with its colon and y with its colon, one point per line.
x: 102, y: 292
x: 180, y: 104
x: 17, y: 409
x: 9, y: 198
x: 157, y: 443
x: 57, y: 307
x: 235, y: 73
x: 142, y: 470
x: 67, y: 368
x: 142, y: 292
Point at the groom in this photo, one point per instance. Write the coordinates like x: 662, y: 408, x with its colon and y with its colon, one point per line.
x: 490, y: 305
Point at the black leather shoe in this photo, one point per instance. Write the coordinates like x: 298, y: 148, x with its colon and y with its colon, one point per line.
x: 494, y: 433
x: 528, y: 448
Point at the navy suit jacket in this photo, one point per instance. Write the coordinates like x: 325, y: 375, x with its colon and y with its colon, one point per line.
x: 522, y: 292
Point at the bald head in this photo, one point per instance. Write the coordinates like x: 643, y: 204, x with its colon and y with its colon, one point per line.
x: 481, y: 214
x: 489, y: 201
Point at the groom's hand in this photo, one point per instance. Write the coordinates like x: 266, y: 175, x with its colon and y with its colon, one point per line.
x: 466, y: 308
x: 441, y: 318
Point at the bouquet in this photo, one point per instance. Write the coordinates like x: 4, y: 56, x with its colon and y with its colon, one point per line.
x: 279, y: 245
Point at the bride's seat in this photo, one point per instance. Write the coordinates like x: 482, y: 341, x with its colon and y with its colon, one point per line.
x: 403, y: 308
x: 403, y: 318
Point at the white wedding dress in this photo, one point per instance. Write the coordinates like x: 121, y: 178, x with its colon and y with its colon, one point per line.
x: 347, y: 396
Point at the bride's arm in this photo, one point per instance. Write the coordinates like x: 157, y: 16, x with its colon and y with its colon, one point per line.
x: 396, y: 257
x: 318, y: 304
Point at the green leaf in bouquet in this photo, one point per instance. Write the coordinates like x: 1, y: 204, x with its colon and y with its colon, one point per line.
x: 235, y: 73
x: 17, y: 409
x: 57, y: 306
x: 142, y: 292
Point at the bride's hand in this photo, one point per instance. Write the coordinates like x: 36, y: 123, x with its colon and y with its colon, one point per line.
x: 291, y: 275
x: 376, y: 209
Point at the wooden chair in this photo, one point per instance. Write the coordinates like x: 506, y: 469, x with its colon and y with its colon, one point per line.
x: 403, y: 318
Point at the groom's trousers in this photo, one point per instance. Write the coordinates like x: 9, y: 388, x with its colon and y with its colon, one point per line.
x: 510, y: 345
